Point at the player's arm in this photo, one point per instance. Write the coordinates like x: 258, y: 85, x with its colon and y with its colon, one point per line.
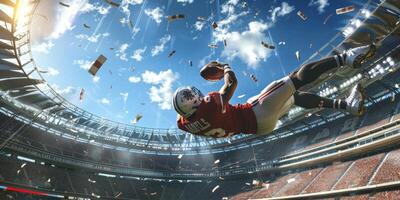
x: 230, y: 84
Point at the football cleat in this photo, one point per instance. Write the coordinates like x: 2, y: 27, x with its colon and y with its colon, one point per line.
x: 355, y: 101
x: 355, y: 57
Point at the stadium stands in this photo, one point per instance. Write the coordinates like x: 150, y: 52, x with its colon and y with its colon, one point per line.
x: 389, y: 169
x: 366, y: 171
x: 296, y: 184
x: 327, y: 178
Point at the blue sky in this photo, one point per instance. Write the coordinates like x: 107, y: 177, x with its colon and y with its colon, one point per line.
x: 139, y: 77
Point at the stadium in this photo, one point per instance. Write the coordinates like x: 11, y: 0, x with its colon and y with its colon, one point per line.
x: 53, y: 148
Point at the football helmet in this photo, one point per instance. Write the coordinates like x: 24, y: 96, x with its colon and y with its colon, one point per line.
x: 186, y: 100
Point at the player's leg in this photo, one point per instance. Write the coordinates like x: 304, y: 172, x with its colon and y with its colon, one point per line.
x: 271, y: 103
x: 353, y: 104
x: 311, y: 71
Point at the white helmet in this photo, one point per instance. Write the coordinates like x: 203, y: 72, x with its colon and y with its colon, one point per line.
x: 186, y: 100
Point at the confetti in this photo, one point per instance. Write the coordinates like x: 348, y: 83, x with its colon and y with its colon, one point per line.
x: 253, y: 77
x: 214, y: 46
x: 81, y: 94
x: 327, y: 18
x: 302, y: 15
x: 345, y: 10
x: 215, y: 188
x: 114, y: 4
x: 267, y: 45
x: 171, y: 53
x: 175, y: 17
x: 63, y: 4
x: 137, y: 118
x: 298, y: 55
x: 214, y: 25
x: 97, y: 65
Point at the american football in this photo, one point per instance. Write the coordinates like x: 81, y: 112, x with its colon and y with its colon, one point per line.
x: 213, y: 71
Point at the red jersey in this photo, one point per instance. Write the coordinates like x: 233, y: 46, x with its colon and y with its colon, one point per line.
x: 216, y: 118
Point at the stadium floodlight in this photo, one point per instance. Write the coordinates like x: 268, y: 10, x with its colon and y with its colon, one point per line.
x: 348, y: 31
x: 366, y: 13
x: 357, y: 23
x: 107, y: 175
x: 25, y: 159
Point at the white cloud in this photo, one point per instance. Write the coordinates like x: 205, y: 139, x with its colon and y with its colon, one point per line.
x: 156, y: 14
x: 137, y: 54
x: 64, y: 91
x: 59, y: 20
x: 322, y: 4
x: 68, y: 92
x: 105, y: 101
x: 229, y: 6
x: 125, y: 9
x: 185, y: 1
x: 134, y: 79
x: 88, y: 7
x: 92, y: 38
x: 66, y: 16
x: 96, y: 79
x: 43, y: 47
x: 121, y: 52
x: 133, y: 2
x: 161, y: 45
x: 280, y: 11
x: 199, y: 25
x: 125, y: 6
x: 83, y: 64
x: 247, y: 45
x: 161, y: 90
x: 52, y: 71
x: 231, y: 18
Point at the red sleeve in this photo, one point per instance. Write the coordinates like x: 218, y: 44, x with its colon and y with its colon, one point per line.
x: 218, y: 103
x: 180, y: 122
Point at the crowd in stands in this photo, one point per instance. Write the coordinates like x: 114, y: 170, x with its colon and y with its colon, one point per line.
x: 371, y: 170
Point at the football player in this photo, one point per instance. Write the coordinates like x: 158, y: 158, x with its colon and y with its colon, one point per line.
x: 213, y: 116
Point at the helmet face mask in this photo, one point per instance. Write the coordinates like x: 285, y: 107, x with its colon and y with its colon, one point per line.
x: 186, y: 100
